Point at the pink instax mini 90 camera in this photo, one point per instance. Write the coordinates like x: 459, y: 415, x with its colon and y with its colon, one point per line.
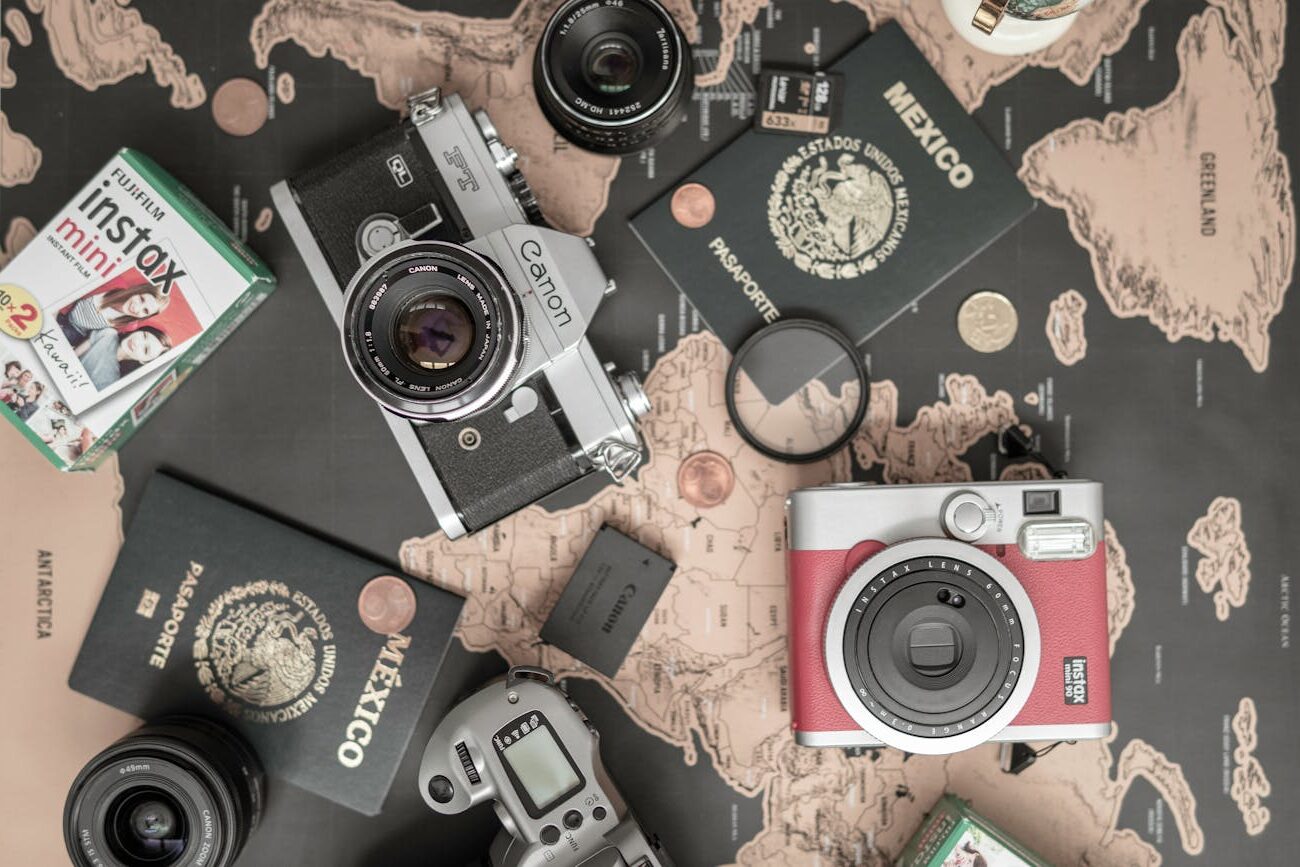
x: 932, y: 618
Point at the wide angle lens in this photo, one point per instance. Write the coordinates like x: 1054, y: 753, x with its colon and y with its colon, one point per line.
x: 183, y: 790
x: 613, y: 78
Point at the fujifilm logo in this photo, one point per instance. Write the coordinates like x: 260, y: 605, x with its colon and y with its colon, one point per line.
x: 620, y: 604
x: 398, y: 169
x: 1076, y: 680
x: 531, y: 251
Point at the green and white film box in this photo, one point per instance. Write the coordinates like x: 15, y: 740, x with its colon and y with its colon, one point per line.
x: 954, y: 835
x: 108, y: 309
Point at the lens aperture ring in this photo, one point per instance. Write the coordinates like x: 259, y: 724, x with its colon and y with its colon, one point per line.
x: 431, y: 331
x: 188, y: 774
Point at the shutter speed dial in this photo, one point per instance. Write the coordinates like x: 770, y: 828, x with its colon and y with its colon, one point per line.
x: 967, y: 516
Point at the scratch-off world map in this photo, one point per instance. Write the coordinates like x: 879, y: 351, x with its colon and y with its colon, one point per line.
x: 1157, y: 352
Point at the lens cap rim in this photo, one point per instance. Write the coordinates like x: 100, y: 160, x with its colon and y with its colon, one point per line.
x: 859, y: 367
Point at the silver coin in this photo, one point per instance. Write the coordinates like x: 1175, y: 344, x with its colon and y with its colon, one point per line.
x: 987, y: 321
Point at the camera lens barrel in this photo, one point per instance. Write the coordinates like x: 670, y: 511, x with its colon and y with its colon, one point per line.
x: 932, y: 645
x: 612, y: 75
x: 182, y: 791
x: 431, y: 330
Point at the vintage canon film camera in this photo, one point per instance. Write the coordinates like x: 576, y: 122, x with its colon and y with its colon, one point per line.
x: 464, y: 316
x: 932, y: 618
x: 526, y: 746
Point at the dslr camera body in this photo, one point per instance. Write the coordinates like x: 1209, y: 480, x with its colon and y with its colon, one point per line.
x: 463, y: 315
x: 523, y: 744
x: 932, y: 618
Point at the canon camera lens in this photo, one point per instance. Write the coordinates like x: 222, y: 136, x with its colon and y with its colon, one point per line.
x: 612, y: 75
x: 431, y: 330
x: 183, y: 791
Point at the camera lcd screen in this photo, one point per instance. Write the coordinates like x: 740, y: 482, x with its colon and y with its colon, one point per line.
x: 541, y: 767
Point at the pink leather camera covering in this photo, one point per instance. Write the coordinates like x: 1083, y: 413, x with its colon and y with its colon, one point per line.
x: 1069, y: 597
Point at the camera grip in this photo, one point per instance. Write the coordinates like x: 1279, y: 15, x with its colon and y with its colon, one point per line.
x: 1069, y: 597
x: 512, y: 465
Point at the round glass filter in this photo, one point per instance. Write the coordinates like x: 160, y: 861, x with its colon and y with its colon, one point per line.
x: 797, y: 390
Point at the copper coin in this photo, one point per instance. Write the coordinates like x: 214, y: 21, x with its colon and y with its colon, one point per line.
x: 240, y: 106
x: 386, y: 604
x: 705, y: 479
x: 693, y: 205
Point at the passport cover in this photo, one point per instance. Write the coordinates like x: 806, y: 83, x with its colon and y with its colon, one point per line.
x: 607, y: 601
x: 849, y: 228
x: 216, y: 610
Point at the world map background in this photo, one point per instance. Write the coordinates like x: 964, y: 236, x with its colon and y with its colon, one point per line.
x: 1117, y: 369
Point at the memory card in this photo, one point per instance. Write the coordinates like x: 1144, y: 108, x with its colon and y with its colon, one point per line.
x: 798, y: 103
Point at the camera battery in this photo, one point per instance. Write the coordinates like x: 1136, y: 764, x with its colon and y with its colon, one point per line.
x: 608, y: 600
x: 798, y: 103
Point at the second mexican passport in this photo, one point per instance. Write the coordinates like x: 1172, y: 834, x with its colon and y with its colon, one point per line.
x: 216, y: 610
x: 849, y: 227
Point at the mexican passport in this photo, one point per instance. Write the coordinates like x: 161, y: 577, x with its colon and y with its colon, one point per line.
x: 849, y: 227
x: 215, y: 610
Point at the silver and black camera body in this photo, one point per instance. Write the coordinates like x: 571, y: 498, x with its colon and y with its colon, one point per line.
x: 464, y: 316
x: 523, y: 744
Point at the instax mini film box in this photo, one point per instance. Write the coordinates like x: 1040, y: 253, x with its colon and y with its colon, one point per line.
x: 130, y: 286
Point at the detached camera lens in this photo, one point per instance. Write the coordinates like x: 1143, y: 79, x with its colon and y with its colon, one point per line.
x: 435, y: 331
x: 613, y: 78
x: 179, y: 791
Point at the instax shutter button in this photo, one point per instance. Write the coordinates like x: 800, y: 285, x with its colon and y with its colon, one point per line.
x: 967, y: 516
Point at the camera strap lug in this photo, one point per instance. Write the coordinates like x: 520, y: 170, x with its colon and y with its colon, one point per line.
x: 425, y: 105
x: 617, y: 458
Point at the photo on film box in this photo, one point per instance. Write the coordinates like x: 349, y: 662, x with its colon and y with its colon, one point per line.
x: 954, y: 835
x: 216, y: 610
x: 110, y: 306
